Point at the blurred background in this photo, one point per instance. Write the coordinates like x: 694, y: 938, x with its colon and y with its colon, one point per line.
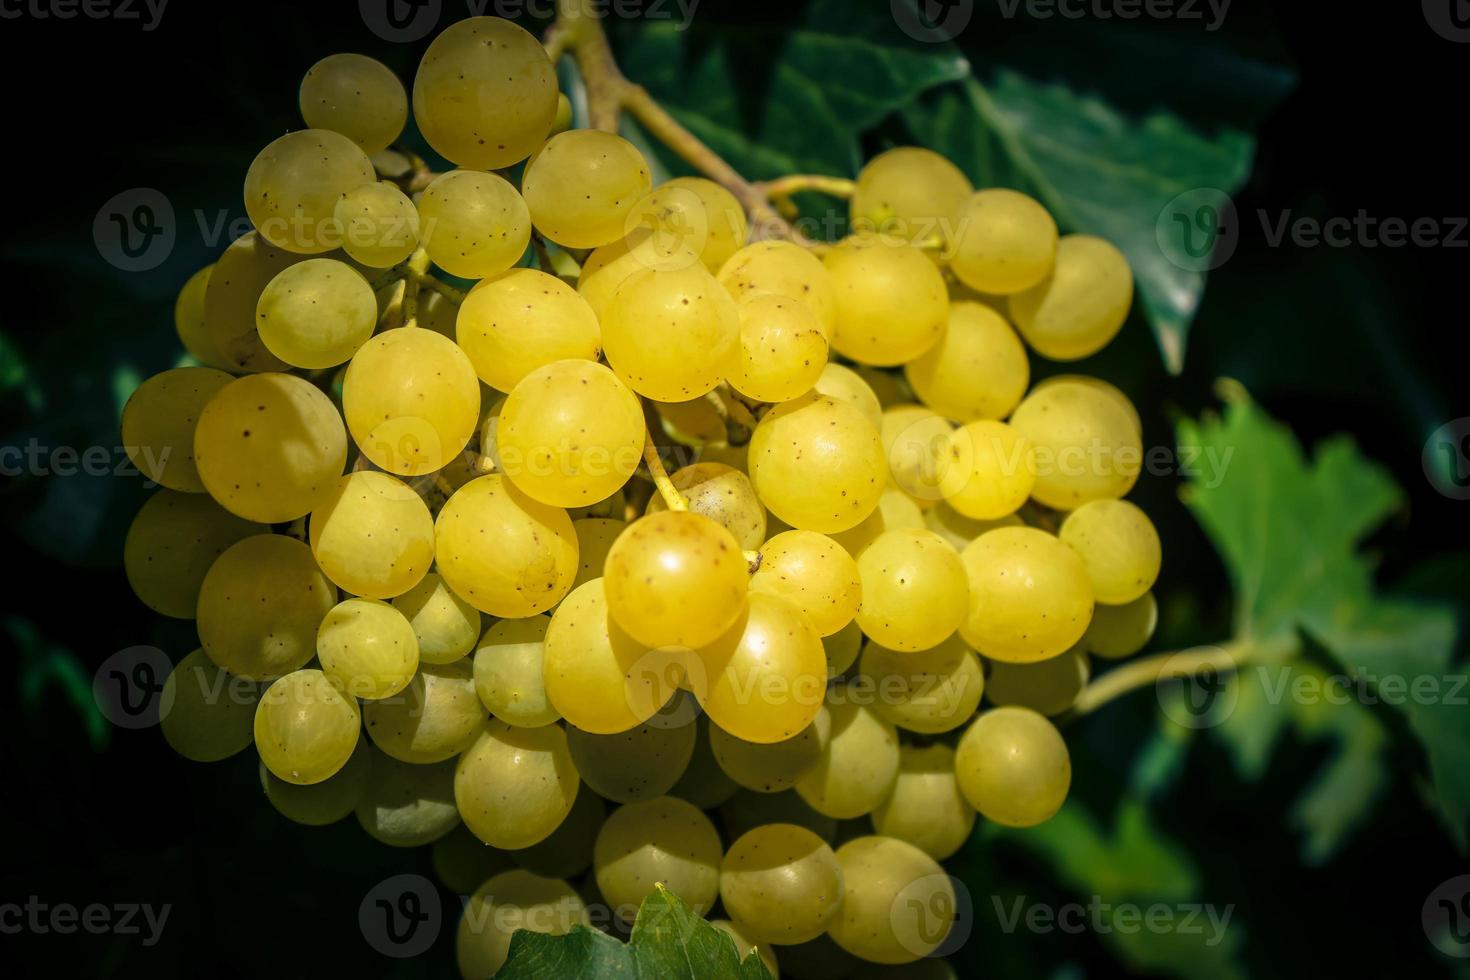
x: 1325, y: 833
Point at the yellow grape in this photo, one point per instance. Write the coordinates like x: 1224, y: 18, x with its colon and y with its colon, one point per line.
x: 514, y: 786
x: 846, y: 385
x: 1087, y: 446
x: 914, y: 589
x: 747, y: 810
x: 898, y: 905
x: 909, y: 192
x: 510, y: 672
x: 159, y: 420
x: 356, y: 96
x: 926, y: 691
x: 1118, y: 544
x: 988, y: 471
x: 231, y: 298
x: 473, y: 224
x: 1013, y: 766
x: 782, y: 348
x: 859, y: 757
x: 676, y: 579
x: 724, y: 495
x: 896, y: 511
x: 172, y: 543
x: 485, y: 94
x: 692, y: 213
x: 782, y: 883
x: 1112, y: 391
x: 1047, y: 686
x: 563, y: 120
x: 511, y: 901
x: 305, y: 727
x: 813, y: 573
x: 914, y: 438
x: 411, y: 400
x: 207, y: 715
x: 1081, y: 306
x: 326, y: 802
x: 842, y: 649
x: 316, y: 314
x: 567, y: 850
x: 891, y: 301
x: 744, y: 947
x: 818, y: 464
x: 570, y: 434
x: 671, y: 334
x: 887, y: 384
x: 977, y: 370
x: 293, y: 186
x: 1003, y: 242
x: 768, y: 767
x: 595, y: 537
x: 373, y: 536
x: 446, y: 626
x: 609, y: 266
x: 1120, y: 631
x: 662, y: 840
x: 960, y: 530
x: 1029, y: 595
x: 434, y: 718
x: 926, y: 807
x: 260, y: 606
x: 368, y: 648
x: 638, y: 764
x: 380, y: 226
x: 522, y: 319
x: 501, y: 551
x: 581, y: 185
x: 189, y: 320
x: 704, y: 783
x: 785, y: 269
x: 407, y: 804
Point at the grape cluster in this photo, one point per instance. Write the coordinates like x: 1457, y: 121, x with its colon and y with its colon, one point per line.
x: 430, y: 543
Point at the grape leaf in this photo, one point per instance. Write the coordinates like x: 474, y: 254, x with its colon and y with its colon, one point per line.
x: 669, y: 942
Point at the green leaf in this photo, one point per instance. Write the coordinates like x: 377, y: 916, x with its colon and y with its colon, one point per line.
x: 669, y: 942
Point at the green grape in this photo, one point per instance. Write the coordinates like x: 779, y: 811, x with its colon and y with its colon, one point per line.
x: 523, y: 319
x: 909, y: 192
x: 581, y: 186
x: 567, y: 850
x: 842, y: 649
x: 820, y: 959
x: 230, y: 299
x: 724, y: 495
x: 611, y: 265
x: 782, y: 348
x: 785, y: 269
x: 745, y: 948
x: 896, y: 511
x: 635, y: 765
x: 1003, y: 242
x: 914, y: 589
x: 662, y: 840
x: 294, y: 184
x: 570, y: 433
x: 511, y: 901
x: 1012, y: 765
x: 437, y: 312
x: 514, y: 786
x: 1087, y: 446
x: 1029, y: 595
x: 704, y: 783
x: 782, y: 883
x: 914, y: 438
x: 159, y: 420
x: 1112, y: 391
x: 508, y: 670
x: 818, y: 464
x: 1121, y: 631
x: 763, y: 680
x: 305, y: 727
x: 1118, y: 544
x: 326, y: 802
x: 563, y: 120
x: 891, y: 301
x: 445, y: 625
x: 926, y: 807
x: 887, y: 384
x: 846, y: 385
x: 977, y: 370
x: 694, y: 214
x: 407, y: 805
x: 485, y: 94
x: 1081, y: 306
x: 534, y: 555
x: 473, y: 224
x: 368, y: 647
x: 898, y: 904
x: 463, y: 862
x: 380, y: 226
x: 989, y: 470
x: 747, y: 810
x: 171, y: 545
x: 270, y: 447
x: 676, y: 578
x: 208, y: 714
x: 411, y: 400
x: 374, y: 536
x: 595, y: 537
x: 432, y: 719
x: 356, y: 96
x: 859, y: 758
x: 671, y: 334
x: 926, y: 691
x: 316, y: 314
x: 960, y: 530
x: 813, y: 573
x: 765, y: 767
x: 189, y: 320
x: 260, y: 605
x: 1047, y: 686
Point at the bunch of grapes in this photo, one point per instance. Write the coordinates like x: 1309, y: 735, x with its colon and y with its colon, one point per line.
x: 446, y: 584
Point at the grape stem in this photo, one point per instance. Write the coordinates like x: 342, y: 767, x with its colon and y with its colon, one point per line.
x: 782, y: 188
x: 739, y: 423
x: 753, y: 558
x: 418, y: 271
x: 673, y: 499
